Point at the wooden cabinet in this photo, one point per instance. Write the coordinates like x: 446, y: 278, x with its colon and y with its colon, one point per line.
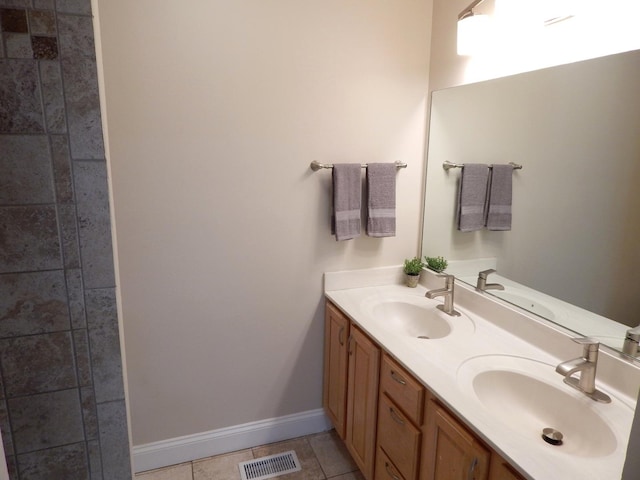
x: 452, y: 452
x: 501, y: 470
x: 362, y: 400
x: 391, y: 424
x: 350, y: 396
x: 336, y: 334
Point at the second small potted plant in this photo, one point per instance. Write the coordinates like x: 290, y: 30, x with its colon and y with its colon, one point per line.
x: 412, y: 269
x: 437, y: 264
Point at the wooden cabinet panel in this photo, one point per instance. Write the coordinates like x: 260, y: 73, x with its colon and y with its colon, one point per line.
x: 334, y: 399
x: 405, y: 391
x: 385, y: 469
x: 452, y: 452
x: 501, y: 470
x: 399, y: 438
x: 362, y: 400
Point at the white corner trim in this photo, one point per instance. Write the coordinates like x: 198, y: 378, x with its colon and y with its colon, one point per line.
x: 224, y: 440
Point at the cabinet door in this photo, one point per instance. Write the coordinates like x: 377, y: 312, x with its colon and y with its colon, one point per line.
x: 452, y: 452
x: 501, y: 470
x: 334, y: 397
x: 362, y: 401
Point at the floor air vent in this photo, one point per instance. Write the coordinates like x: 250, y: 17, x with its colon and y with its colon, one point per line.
x: 270, y: 466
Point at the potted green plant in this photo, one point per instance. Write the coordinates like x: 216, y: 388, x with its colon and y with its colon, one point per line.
x: 437, y: 264
x: 412, y: 269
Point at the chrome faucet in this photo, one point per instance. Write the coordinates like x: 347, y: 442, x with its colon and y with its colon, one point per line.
x: 482, y: 284
x: 586, y: 367
x: 447, y: 293
x: 631, y: 341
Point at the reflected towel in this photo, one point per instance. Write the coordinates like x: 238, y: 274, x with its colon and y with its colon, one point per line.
x: 347, y: 195
x: 472, y: 197
x: 500, y: 193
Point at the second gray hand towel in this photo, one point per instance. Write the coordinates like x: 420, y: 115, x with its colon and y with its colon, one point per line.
x: 347, y: 196
x: 381, y: 200
x: 500, y: 193
x: 472, y: 196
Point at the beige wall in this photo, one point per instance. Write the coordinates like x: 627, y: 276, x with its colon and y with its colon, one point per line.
x: 215, y: 110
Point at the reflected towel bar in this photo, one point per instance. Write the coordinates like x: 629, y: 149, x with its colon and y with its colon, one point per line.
x: 315, y: 166
x: 449, y: 165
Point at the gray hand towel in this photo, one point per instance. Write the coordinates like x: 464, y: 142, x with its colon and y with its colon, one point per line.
x: 472, y: 196
x: 381, y: 200
x: 347, y: 195
x: 499, y: 211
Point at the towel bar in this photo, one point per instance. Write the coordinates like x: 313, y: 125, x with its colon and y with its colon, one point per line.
x: 315, y: 166
x: 449, y: 165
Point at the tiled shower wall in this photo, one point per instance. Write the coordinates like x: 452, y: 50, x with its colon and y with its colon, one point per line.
x: 62, y: 410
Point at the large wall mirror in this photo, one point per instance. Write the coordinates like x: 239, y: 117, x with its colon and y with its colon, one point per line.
x: 573, y: 253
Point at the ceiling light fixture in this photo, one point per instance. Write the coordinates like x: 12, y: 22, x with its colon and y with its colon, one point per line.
x: 472, y: 29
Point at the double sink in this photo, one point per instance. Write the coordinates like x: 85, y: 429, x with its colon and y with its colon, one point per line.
x: 505, y: 387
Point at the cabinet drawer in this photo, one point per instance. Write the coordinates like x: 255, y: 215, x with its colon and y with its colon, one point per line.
x: 402, y: 388
x: 399, y: 438
x: 385, y: 470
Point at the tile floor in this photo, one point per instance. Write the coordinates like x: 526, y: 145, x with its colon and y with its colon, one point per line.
x: 322, y: 456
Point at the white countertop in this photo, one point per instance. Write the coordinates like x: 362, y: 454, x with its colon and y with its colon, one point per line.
x: 489, y: 328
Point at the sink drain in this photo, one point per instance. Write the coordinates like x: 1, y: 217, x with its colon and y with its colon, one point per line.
x: 552, y: 436
x: 424, y: 337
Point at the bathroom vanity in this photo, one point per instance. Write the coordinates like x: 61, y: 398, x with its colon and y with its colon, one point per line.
x: 418, y: 395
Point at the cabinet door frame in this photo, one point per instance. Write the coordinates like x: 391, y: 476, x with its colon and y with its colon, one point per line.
x: 446, y: 438
x: 334, y: 397
x: 362, y: 400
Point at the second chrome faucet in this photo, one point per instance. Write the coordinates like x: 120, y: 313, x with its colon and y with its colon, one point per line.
x: 447, y: 293
x: 585, y: 366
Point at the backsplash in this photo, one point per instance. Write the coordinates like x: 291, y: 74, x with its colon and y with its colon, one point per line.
x: 62, y: 409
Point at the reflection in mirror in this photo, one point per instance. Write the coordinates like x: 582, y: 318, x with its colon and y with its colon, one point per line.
x: 572, y: 254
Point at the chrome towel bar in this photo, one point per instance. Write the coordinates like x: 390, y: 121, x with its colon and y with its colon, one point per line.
x: 449, y: 165
x: 315, y: 166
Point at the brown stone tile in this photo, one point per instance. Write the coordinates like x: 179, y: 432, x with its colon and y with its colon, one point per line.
x: 25, y: 169
x: 76, y: 36
x: 46, y: 420
x: 44, y: 48
x: 349, y: 476
x: 67, y: 462
x: 221, y: 467
x: 18, y: 45
x: 14, y: 20
x: 89, y: 413
x: 42, y: 22
x: 104, y: 342
x: 92, y: 199
x: 70, y: 240
x: 311, y: 469
x: 75, y: 294
x: 114, y: 440
x: 176, y: 472
x: 83, y: 360
x: 21, y: 110
x: 33, y: 303
x: 52, y: 98
x: 29, y: 239
x: 332, y: 454
x: 82, y: 103
x: 61, y: 165
x: 81, y: 7
x: 38, y: 363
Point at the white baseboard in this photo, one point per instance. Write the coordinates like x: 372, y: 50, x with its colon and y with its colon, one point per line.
x: 229, y: 439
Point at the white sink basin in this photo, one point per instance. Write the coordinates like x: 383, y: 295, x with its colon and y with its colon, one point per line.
x: 415, y: 316
x: 528, y: 396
